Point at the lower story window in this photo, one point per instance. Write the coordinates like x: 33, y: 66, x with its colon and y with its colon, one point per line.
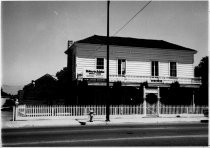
x: 173, y: 69
x: 121, y: 67
x: 155, y: 68
x: 100, y: 63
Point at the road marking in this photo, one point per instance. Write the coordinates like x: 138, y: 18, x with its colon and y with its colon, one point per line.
x: 98, y: 130
x: 106, y: 139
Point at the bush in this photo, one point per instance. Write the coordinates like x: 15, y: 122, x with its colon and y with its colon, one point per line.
x: 151, y: 98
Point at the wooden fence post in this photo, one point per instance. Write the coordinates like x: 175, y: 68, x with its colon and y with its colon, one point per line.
x: 187, y: 110
x: 85, y: 112
x: 52, y: 109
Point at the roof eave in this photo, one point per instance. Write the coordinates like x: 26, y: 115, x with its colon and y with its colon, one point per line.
x: 66, y: 52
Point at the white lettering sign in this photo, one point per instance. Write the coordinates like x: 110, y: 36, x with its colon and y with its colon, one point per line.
x: 94, y: 73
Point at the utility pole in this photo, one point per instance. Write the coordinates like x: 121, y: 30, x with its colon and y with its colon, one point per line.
x: 107, y: 65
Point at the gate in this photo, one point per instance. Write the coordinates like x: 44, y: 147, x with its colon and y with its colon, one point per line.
x: 151, y: 109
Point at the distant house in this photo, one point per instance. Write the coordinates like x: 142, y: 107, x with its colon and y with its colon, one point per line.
x: 39, y: 91
x: 132, y: 62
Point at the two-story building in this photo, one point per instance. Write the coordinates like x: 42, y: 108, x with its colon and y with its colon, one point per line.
x: 132, y: 62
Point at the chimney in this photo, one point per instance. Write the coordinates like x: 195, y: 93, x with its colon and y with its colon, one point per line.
x: 69, y: 43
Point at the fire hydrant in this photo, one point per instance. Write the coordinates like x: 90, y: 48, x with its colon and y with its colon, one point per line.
x: 91, y: 115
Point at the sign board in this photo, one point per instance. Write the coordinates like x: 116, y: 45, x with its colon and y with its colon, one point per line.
x: 94, y: 73
x: 151, y: 91
x: 94, y: 80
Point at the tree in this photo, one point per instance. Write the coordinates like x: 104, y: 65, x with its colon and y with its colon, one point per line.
x: 176, y: 95
x: 63, y: 75
x: 67, y: 88
x: 202, y: 71
x: 151, y: 98
x: 4, y: 94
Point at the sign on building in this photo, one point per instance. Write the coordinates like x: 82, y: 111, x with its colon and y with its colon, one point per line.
x: 94, y: 74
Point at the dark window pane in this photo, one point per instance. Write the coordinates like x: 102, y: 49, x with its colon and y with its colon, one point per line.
x: 173, y: 71
x: 121, y: 66
x: 100, y: 63
x: 155, y: 68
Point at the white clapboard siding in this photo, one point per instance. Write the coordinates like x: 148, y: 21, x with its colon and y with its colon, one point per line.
x: 185, y: 70
x: 163, y: 69
x: 138, y: 60
x: 136, y: 54
x: 138, y: 68
x: 84, y: 63
x: 113, y: 67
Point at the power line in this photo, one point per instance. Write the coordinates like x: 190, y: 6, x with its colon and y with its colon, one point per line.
x: 127, y: 22
x: 131, y: 19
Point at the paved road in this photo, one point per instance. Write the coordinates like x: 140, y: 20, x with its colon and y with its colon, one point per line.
x: 129, y: 135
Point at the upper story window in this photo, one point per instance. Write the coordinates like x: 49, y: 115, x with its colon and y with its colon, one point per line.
x: 121, y: 67
x: 100, y: 63
x: 155, y: 68
x: 173, y: 70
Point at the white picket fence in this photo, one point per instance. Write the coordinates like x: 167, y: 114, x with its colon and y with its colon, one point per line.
x: 40, y: 111
x: 25, y: 112
x: 172, y: 109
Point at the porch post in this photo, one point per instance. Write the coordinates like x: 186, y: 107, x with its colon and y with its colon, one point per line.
x: 158, y: 102
x: 144, y: 103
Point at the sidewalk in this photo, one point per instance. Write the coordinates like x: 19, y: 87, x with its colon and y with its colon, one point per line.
x: 100, y: 121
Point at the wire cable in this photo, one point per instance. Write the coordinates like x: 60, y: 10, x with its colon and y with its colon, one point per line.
x: 127, y: 23
x: 131, y: 18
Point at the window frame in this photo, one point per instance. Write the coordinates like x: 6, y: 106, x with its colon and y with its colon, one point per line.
x: 120, y: 69
x: 154, y: 68
x: 172, y: 70
x: 99, y: 66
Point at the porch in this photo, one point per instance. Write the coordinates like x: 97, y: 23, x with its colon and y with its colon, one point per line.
x: 131, y: 80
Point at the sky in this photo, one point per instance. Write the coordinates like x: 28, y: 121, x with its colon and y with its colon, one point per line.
x: 35, y: 34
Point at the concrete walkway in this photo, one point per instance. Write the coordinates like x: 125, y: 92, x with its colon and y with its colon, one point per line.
x: 100, y: 120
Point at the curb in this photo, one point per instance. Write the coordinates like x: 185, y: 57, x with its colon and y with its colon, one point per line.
x: 77, y: 123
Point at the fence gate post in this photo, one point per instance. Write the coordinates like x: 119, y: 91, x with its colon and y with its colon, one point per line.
x: 16, y: 112
x: 158, y: 102
x: 144, y: 103
x: 13, y: 117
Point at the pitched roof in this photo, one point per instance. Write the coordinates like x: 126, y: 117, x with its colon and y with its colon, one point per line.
x: 47, y: 76
x: 133, y: 42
